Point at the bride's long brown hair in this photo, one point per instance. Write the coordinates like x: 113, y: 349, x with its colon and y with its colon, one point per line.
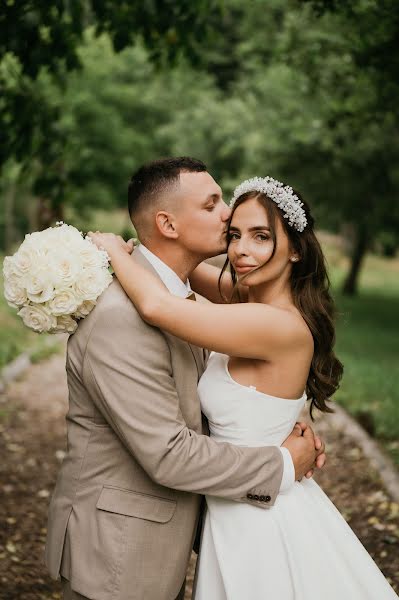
x: 310, y: 286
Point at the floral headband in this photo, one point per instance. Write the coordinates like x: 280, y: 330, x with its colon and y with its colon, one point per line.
x: 281, y: 194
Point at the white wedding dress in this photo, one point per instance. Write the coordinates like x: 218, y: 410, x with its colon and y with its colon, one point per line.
x: 299, y: 549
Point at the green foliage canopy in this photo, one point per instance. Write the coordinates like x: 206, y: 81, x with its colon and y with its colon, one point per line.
x: 303, y: 91
x: 37, y: 35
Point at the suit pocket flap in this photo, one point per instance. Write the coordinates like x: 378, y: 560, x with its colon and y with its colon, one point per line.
x: 134, y: 504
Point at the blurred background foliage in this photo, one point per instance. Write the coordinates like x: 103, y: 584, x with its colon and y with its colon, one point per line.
x: 306, y: 91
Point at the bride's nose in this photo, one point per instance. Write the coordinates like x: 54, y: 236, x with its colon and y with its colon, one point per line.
x: 240, y: 249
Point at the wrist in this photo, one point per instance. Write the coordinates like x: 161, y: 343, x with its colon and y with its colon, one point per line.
x: 288, y: 478
x: 114, y: 253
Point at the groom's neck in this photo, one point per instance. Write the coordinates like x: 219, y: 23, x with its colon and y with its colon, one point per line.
x: 180, y: 260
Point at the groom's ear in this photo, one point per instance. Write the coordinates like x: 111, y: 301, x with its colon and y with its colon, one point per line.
x: 166, y: 224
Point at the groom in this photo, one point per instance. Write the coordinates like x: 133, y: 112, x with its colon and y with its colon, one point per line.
x: 124, y: 513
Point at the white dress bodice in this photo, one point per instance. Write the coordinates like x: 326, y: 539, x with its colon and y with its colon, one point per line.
x: 240, y: 414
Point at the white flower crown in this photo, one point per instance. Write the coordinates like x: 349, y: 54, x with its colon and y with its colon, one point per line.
x: 282, y: 195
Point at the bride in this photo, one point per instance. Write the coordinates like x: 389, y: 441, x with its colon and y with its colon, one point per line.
x: 270, y: 327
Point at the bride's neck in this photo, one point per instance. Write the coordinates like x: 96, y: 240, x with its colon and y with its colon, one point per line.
x: 276, y: 293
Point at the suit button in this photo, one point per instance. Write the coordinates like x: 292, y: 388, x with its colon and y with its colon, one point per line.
x: 262, y: 498
x: 249, y: 496
x: 256, y: 497
x: 267, y: 499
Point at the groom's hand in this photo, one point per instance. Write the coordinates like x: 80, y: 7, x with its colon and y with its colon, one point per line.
x: 306, y: 449
x: 319, y: 447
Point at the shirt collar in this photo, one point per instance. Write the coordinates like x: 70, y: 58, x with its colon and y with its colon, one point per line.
x: 172, y: 281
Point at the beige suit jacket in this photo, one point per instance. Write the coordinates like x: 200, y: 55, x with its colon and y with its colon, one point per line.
x: 124, y: 511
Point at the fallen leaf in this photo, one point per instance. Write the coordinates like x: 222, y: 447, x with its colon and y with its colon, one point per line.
x: 11, y: 547
x: 43, y: 494
x: 60, y: 455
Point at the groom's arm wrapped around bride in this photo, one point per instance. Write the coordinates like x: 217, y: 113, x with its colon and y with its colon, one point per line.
x: 158, y: 420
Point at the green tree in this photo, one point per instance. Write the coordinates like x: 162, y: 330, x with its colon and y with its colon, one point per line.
x: 364, y: 123
x: 120, y: 111
x: 37, y: 35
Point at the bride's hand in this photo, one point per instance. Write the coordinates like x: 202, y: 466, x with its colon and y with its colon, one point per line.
x: 132, y: 243
x: 111, y: 243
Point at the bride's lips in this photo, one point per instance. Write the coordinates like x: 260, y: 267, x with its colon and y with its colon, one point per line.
x: 244, y: 268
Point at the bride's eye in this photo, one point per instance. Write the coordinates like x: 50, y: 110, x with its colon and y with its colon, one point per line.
x: 262, y: 237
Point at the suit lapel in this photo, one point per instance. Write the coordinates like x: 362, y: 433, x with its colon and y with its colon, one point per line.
x: 198, y: 357
x: 198, y: 353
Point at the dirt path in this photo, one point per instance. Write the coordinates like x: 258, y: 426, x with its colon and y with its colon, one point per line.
x: 32, y: 441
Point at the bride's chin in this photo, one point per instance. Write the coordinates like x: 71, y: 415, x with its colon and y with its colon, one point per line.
x: 243, y: 281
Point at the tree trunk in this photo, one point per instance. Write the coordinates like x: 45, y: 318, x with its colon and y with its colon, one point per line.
x: 48, y: 213
x: 350, y: 287
x: 9, y: 227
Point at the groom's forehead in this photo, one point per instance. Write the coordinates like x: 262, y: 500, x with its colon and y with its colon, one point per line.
x: 199, y: 185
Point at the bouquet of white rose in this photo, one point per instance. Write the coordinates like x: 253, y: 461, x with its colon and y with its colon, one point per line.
x: 55, y: 278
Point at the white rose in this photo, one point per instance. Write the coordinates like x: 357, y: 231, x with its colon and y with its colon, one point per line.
x: 23, y: 261
x: 68, y: 235
x: 92, y: 257
x: 92, y: 284
x: 65, y: 302
x: 30, y: 239
x: 8, y: 266
x: 36, y: 240
x: 84, y: 309
x: 37, y: 318
x: 65, y: 324
x: 40, y: 244
x: 39, y: 287
x: 65, y: 267
x: 14, y: 292
x: 68, y: 239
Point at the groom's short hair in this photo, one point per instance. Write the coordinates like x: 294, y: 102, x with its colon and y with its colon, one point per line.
x: 153, y: 182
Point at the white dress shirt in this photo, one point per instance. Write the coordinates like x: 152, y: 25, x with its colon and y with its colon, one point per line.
x: 177, y: 287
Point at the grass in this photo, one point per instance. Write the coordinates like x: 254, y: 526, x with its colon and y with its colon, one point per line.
x: 367, y: 344
x: 42, y: 352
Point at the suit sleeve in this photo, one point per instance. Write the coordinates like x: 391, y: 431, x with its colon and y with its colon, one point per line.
x: 130, y: 379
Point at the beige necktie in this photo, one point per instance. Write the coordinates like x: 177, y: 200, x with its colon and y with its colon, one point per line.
x: 191, y: 296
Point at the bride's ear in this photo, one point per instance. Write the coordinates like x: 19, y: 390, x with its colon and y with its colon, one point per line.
x: 166, y: 224
x: 294, y: 255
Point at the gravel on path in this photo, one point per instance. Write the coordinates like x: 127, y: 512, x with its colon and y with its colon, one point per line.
x: 32, y: 443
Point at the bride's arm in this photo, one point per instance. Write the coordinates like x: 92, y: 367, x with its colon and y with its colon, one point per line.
x: 205, y: 281
x: 248, y: 330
